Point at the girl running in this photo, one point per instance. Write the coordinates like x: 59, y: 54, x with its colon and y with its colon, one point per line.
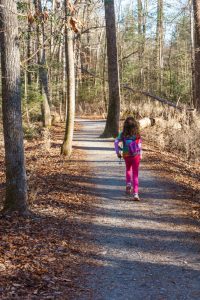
x: 131, y: 140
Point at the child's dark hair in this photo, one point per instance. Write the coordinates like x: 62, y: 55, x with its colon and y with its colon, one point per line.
x: 131, y: 127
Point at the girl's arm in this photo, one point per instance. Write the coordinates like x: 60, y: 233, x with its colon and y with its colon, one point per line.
x: 116, y: 143
x: 117, y: 148
x: 140, y: 146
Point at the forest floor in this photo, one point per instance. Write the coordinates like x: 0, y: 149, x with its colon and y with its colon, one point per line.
x: 87, y: 239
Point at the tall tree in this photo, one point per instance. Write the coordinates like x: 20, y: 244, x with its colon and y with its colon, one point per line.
x: 196, y: 8
x: 140, y: 36
x: 159, y: 45
x: 43, y: 75
x: 29, y: 29
x: 112, y: 123
x: 16, y: 187
x: 70, y: 76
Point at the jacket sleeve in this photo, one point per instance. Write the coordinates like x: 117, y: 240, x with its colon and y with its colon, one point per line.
x: 140, y: 146
x: 116, y: 143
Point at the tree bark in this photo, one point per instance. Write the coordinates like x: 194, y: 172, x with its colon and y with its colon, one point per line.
x: 43, y: 75
x: 26, y: 97
x: 112, y: 122
x: 196, y: 7
x: 16, y: 187
x: 70, y: 75
x: 104, y: 78
x: 29, y: 29
x: 64, y: 83
x: 192, y: 55
x: 141, y: 41
x: 159, y: 46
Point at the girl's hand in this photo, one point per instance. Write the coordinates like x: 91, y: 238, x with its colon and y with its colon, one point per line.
x: 119, y: 155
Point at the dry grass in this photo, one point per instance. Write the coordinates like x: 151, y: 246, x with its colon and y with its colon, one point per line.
x: 91, y: 110
x: 174, y: 131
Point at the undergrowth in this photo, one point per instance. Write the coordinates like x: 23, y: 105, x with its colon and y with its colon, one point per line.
x: 174, y: 130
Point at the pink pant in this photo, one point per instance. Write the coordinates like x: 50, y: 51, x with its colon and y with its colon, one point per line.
x: 132, y: 170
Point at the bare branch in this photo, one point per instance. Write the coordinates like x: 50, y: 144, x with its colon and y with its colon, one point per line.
x: 148, y: 94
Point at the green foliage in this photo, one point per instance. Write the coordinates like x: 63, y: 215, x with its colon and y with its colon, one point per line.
x: 33, y: 102
x: 22, y: 6
x: 31, y: 132
x: 89, y: 92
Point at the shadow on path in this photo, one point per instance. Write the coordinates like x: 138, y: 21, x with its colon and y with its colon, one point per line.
x: 147, y: 250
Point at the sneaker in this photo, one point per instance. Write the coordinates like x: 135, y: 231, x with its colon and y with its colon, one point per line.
x: 136, y: 197
x: 128, y: 189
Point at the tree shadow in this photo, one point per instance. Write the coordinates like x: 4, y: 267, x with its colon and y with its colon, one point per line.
x: 126, y: 259
x: 93, y: 148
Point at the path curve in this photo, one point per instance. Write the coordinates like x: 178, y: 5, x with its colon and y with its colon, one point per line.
x: 148, y: 250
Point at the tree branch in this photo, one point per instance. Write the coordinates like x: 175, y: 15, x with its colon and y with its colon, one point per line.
x: 88, y: 29
x: 148, y: 94
x: 127, y: 56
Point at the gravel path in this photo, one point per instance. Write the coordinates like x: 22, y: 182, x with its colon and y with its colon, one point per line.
x: 147, y: 250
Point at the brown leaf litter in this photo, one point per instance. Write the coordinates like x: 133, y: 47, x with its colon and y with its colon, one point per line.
x: 42, y: 257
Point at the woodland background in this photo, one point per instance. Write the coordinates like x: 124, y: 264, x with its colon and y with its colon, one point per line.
x: 55, y: 52
x: 155, y: 42
x: 63, y: 68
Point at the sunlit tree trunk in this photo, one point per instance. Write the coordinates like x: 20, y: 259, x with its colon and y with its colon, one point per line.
x: 64, y: 83
x: 51, y: 46
x: 29, y: 27
x: 113, y: 117
x: 43, y: 76
x: 70, y: 75
x: 16, y: 188
x: 145, y: 74
x: 159, y: 45
x: 192, y: 53
x: 140, y: 40
x: 26, y: 97
x: 104, y: 79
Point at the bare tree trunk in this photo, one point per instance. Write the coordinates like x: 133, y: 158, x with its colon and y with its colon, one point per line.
x: 78, y: 65
x: 70, y: 74
x: 112, y: 123
x: 159, y: 45
x: 29, y: 77
x: 52, y: 29
x: 140, y: 40
x: 192, y: 55
x: 196, y: 7
x: 16, y: 187
x: 104, y: 78
x: 64, y: 83
x: 26, y: 97
x: 43, y: 76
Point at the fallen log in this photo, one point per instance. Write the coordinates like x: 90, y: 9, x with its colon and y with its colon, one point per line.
x: 154, y: 97
x: 150, y: 95
x: 146, y: 122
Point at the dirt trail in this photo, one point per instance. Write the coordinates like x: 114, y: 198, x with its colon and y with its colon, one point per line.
x: 147, y: 250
